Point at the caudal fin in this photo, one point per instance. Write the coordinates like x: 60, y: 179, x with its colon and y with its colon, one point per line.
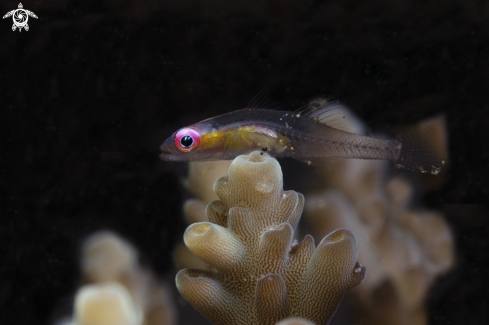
x: 424, y: 147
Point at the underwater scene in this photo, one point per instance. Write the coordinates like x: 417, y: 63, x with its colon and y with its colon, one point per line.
x: 244, y: 162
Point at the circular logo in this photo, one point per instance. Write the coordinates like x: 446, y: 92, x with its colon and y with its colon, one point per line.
x: 20, y: 18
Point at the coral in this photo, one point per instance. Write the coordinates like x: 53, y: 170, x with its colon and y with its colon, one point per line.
x: 295, y: 321
x: 200, y: 180
x: 404, y: 249
x: 105, y: 304
x: 107, y: 257
x: 118, y: 286
x: 258, y: 274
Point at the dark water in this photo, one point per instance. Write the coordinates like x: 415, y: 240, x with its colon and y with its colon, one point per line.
x: 91, y: 90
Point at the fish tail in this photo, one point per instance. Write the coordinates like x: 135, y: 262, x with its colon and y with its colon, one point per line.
x: 424, y: 146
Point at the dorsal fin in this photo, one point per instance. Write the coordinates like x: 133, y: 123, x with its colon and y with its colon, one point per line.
x: 314, y: 105
x: 260, y: 99
x: 333, y: 114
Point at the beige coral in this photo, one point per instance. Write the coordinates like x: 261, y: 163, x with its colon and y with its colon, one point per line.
x: 259, y: 275
x: 201, y: 178
x: 295, y: 321
x: 105, y: 304
x: 200, y: 182
x: 404, y: 249
x: 119, y: 291
x: 106, y: 256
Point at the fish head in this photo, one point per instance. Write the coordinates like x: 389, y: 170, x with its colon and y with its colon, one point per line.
x: 192, y: 143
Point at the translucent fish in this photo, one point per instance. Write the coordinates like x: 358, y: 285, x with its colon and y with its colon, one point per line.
x: 314, y: 135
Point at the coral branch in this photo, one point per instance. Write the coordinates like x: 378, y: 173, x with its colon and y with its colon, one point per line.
x: 214, y: 245
x: 260, y: 274
x: 271, y: 299
x: 202, y: 290
x: 120, y: 291
x: 404, y: 249
x: 107, y: 303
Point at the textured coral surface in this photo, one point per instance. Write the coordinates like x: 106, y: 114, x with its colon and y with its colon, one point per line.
x: 259, y: 275
x: 200, y: 181
x: 403, y: 248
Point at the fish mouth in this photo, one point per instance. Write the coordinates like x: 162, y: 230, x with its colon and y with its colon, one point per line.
x: 167, y: 152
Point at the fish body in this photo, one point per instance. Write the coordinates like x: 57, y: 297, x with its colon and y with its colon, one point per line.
x: 307, y: 136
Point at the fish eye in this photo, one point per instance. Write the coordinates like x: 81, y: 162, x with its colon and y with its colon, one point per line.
x: 187, y: 139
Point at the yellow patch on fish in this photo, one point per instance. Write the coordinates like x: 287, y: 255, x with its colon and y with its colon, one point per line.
x: 263, y: 138
x: 213, y: 140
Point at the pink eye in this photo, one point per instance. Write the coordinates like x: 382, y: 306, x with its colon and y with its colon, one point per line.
x: 187, y: 139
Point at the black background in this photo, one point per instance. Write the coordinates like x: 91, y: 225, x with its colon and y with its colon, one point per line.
x: 89, y: 93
